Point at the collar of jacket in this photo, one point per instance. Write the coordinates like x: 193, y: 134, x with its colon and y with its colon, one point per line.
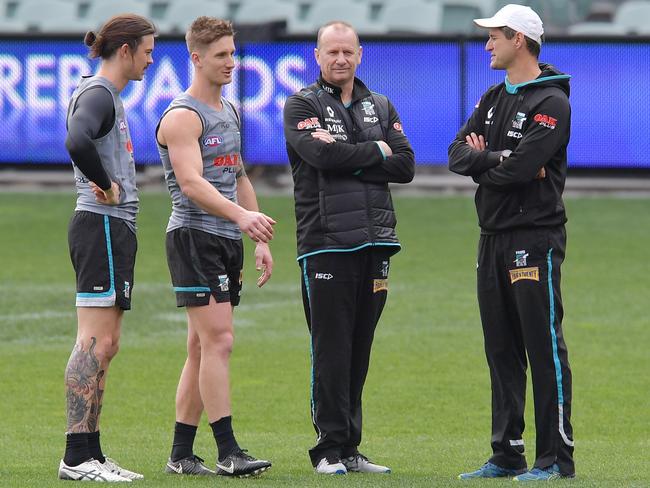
x: 359, y: 90
x: 549, y: 74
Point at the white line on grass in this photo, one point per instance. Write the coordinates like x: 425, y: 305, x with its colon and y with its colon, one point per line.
x: 21, y: 317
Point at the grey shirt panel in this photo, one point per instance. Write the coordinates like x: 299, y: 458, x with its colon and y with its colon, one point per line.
x: 115, y: 150
x: 220, y: 144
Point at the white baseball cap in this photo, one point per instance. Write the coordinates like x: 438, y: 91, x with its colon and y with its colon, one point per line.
x: 519, y: 18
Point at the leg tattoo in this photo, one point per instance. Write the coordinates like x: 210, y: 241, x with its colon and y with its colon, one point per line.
x: 82, y: 377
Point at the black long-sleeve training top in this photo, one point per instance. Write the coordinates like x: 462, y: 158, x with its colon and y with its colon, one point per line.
x: 92, y: 118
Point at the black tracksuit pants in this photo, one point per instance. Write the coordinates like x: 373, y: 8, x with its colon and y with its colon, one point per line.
x: 518, y: 281
x: 343, y: 295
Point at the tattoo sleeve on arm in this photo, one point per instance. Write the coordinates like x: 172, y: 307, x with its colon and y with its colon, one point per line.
x: 82, y: 377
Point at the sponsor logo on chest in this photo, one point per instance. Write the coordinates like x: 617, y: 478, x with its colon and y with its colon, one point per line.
x: 490, y: 114
x: 335, y: 125
x: 335, y: 129
x: 226, y: 160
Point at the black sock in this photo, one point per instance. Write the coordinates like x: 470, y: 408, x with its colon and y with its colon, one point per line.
x: 76, y: 449
x: 95, y: 448
x: 183, y: 441
x: 222, y: 430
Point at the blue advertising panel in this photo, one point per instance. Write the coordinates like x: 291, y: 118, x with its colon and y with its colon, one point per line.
x: 610, y: 94
x: 37, y: 78
x: 423, y: 80
x: 415, y: 77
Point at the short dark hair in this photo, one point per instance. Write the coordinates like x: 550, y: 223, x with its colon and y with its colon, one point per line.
x: 205, y: 30
x: 533, y: 47
x: 119, y: 30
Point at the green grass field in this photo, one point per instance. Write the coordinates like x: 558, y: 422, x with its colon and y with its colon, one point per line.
x: 427, y: 398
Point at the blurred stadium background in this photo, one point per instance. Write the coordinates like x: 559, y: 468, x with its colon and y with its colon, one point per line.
x: 427, y: 396
x: 426, y: 55
x: 598, y: 17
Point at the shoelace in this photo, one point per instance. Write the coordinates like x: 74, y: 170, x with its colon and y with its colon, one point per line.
x: 242, y: 453
x: 197, y: 459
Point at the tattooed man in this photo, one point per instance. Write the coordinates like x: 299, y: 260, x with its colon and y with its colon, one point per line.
x: 101, y: 234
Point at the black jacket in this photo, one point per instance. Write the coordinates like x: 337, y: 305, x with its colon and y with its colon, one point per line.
x: 533, y: 120
x: 341, y: 189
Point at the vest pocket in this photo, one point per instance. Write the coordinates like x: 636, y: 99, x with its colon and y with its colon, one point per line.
x: 322, y: 207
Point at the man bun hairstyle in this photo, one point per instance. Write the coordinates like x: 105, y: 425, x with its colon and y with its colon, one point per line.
x: 90, y: 38
x: 205, y: 30
x: 118, y: 30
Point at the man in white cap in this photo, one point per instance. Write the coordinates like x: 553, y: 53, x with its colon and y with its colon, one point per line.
x: 514, y: 146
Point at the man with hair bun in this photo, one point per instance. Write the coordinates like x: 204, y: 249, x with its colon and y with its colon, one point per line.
x: 101, y: 235
x: 213, y: 203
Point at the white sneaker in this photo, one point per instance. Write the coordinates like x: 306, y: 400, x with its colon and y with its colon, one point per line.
x: 111, y: 466
x: 91, y: 470
x: 361, y: 464
x: 330, y: 466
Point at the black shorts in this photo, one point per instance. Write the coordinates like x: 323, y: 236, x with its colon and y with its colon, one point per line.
x: 203, y: 264
x: 102, y: 251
